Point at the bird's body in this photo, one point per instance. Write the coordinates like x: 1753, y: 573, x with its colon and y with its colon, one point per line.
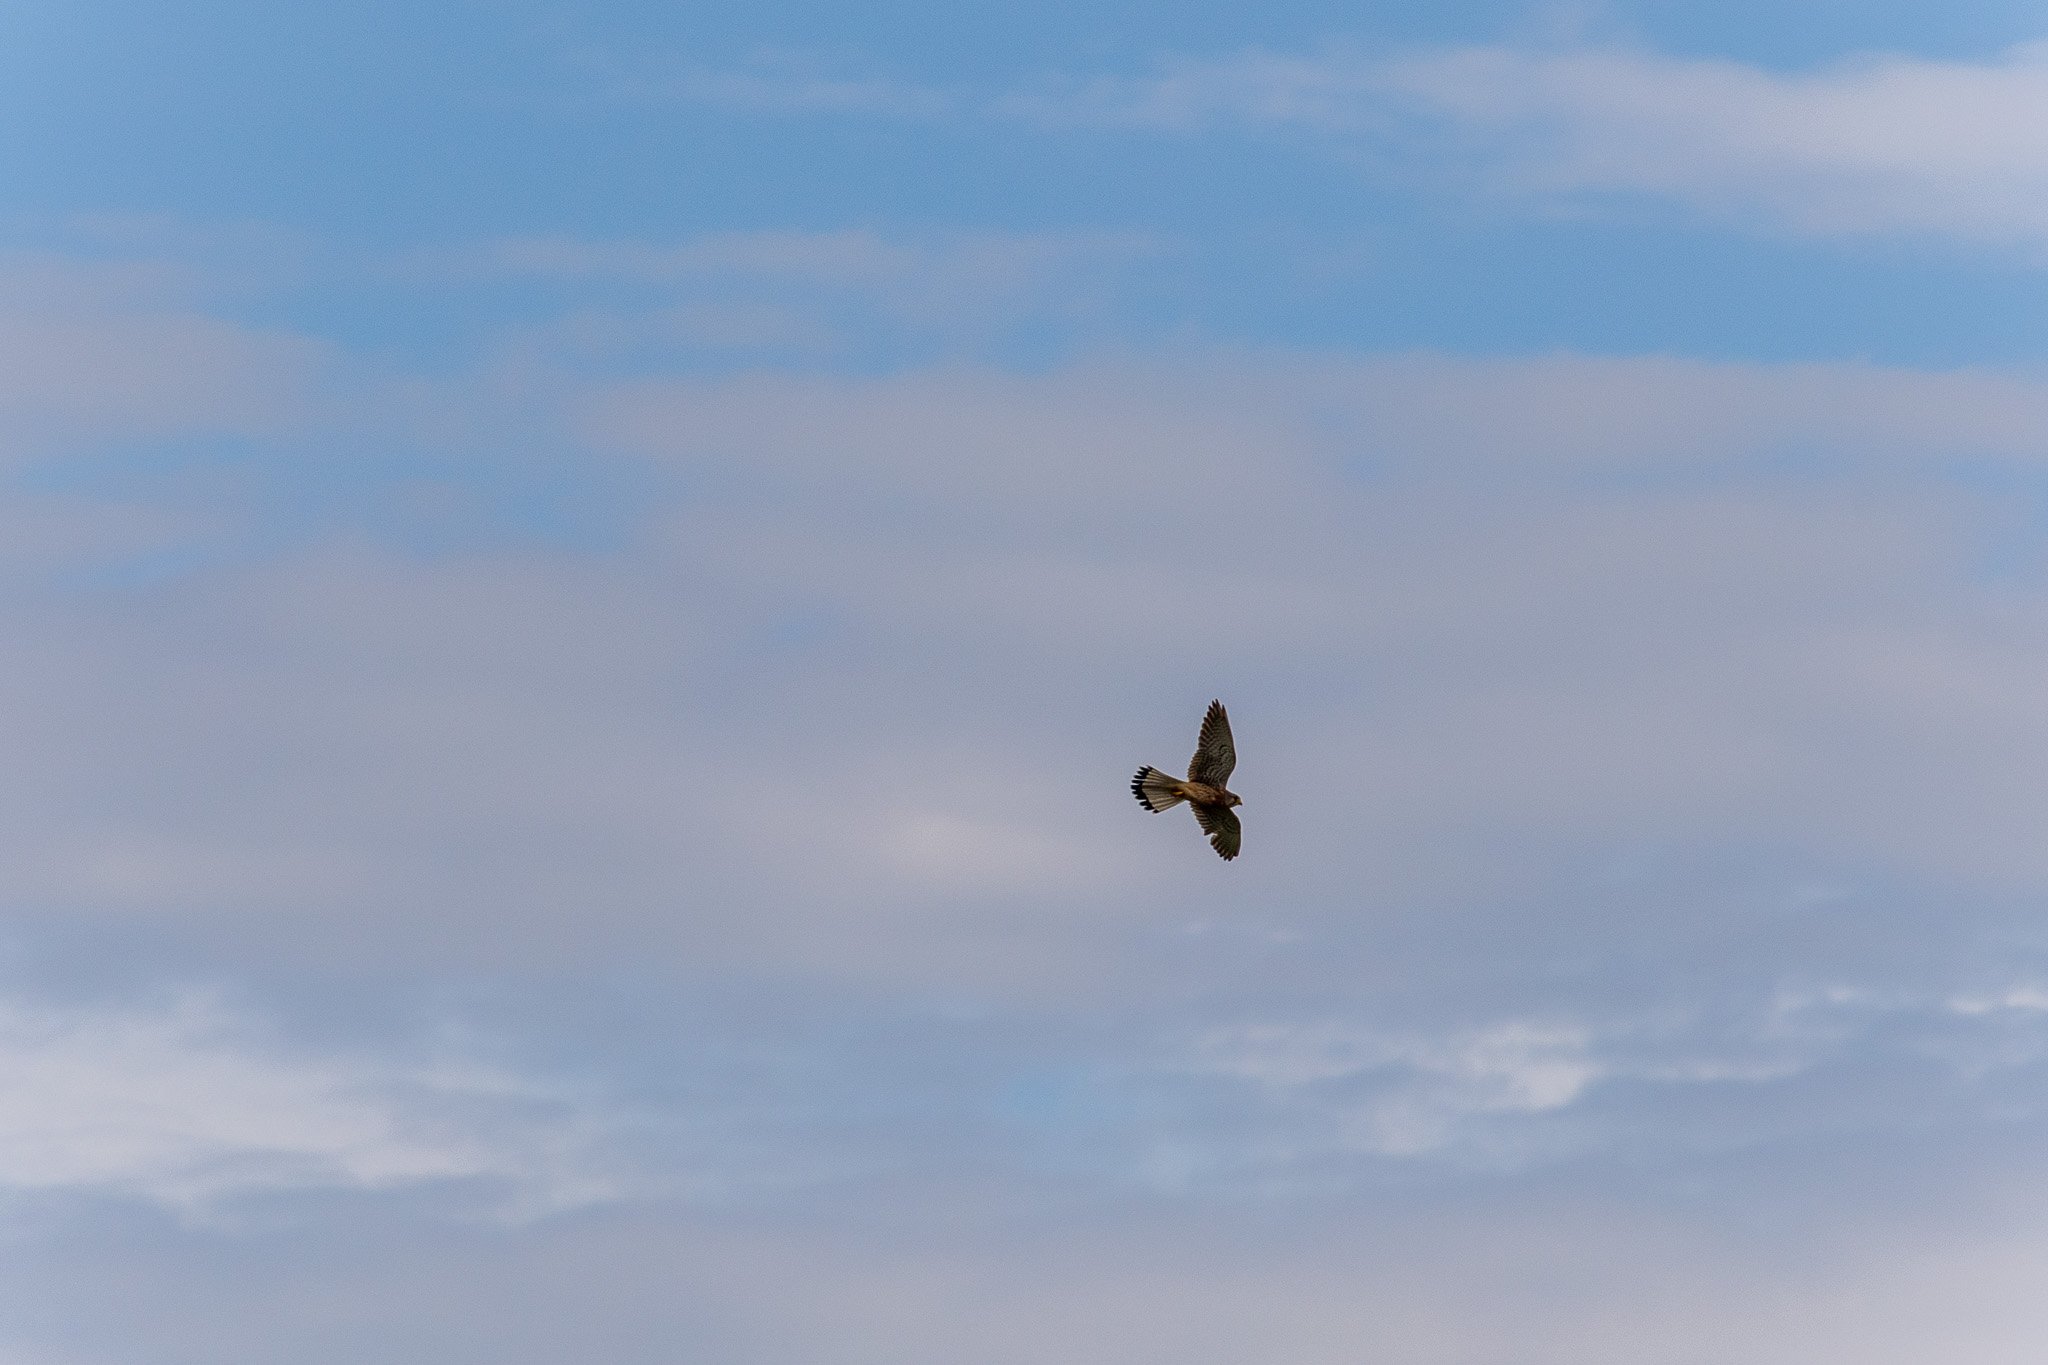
x: 1202, y: 794
x: 1204, y: 789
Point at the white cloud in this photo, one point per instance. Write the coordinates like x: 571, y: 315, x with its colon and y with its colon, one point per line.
x: 1552, y: 604
x: 810, y: 292
x: 1072, y: 511
x: 1525, y: 656
x: 185, y: 1104
x: 112, y: 352
x: 815, y: 258
x: 1870, y: 143
x: 1430, y: 1086
x: 782, y: 82
x: 1276, y: 1104
x: 2028, y: 998
x: 859, y: 700
x: 1728, y: 1267
x: 955, y: 850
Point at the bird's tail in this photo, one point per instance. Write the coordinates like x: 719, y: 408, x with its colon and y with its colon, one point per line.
x: 1155, y: 790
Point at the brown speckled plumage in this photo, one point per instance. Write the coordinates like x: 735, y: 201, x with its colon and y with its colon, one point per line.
x: 1204, y: 789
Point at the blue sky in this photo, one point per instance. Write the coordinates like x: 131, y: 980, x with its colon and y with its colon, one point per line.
x: 582, y: 590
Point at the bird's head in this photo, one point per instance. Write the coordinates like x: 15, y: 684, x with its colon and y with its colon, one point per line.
x: 1232, y: 799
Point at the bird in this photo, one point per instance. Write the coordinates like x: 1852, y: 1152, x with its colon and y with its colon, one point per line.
x: 1211, y: 801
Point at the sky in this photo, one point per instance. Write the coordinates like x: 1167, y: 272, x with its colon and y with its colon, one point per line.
x: 582, y: 586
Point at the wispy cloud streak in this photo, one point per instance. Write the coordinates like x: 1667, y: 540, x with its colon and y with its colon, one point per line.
x: 186, y: 1104
x: 1877, y: 143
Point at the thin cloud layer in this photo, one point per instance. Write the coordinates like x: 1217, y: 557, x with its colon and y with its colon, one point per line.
x: 1554, y: 607
x: 1874, y: 143
x: 1650, y: 671
x: 1543, y: 1276
x: 100, y: 353
x: 1303, y: 1105
x: 184, y: 1105
x: 809, y: 294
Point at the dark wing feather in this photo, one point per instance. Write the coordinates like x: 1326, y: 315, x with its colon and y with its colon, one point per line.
x: 1220, y: 824
x: 1215, y: 755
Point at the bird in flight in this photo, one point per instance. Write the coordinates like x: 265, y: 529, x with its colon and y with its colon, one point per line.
x: 1204, y: 791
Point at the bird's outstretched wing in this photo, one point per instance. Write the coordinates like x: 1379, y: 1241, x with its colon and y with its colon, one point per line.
x: 1215, y: 755
x: 1220, y: 824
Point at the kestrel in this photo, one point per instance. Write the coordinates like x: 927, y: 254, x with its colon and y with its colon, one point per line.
x: 1204, y: 791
